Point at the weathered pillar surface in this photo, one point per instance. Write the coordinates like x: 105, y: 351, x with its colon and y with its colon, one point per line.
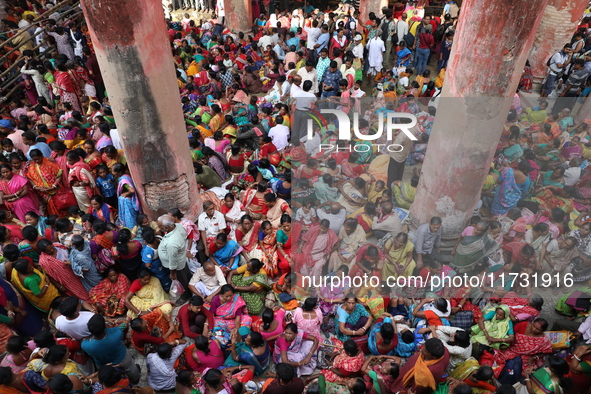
x: 483, y: 72
x: 136, y: 62
x: 559, y: 22
x: 585, y: 111
x: 238, y: 15
x: 367, y: 6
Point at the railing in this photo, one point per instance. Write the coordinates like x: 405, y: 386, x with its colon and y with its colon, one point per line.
x: 14, y: 75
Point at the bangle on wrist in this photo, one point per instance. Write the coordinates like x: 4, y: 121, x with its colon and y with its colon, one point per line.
x: 576, y: 357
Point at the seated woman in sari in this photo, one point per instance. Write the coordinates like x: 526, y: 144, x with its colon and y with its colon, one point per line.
x: 16, y: 313
x: 101, y: 210
x: 383, y: 338
x: 480, y: 379
x: 351, y: 237
x: 225, y: 252
x: 324, y: 189
x: 353, y: 194
x: 34, y: 284
x: 55, y: 361
x: 514, y: 151
x: 317, y: 245
x: 514, y: 185
x: 46, y: 177
x: 28, y: 246
x: 247, y: 236
x: 15, y: 193
x: 81, y: 180
x: 351, y: 169
x: 296, y: 348
x: 353, y: 321
x: 549, y: 379
x: 12, y: 383
x: 248, y: 348
x: 108, y: 297
x: 399, y: 257
x: 557, y: 257
x: 268, y: 248
x: 284, y: 238
x: 530, y: 344
x: 274, y: 208
x: 404, y: 193
x: 128, y: 203
x: 54, y: 261
x: 204, y: 353
x: 494, y: 329
x: 253, y: 200
x: 146, y: 296
x: 472, y: 249
x: 251, y: 283
x: 424, y: 370
x: 229, y: 311
x: 232, y: 211
x: 580, y: 367
x: 383, y: 372
x: 347, y: 364
x: 538, y: 237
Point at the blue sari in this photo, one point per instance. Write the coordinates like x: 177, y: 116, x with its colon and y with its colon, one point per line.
x: 247, y: 357
x: 223, y: 255
x: 508, y: 192
x: 372, y: 342
x: 129, y: 207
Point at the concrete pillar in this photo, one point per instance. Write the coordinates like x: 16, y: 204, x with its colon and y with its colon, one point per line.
x: 367, y: 6
x: 585, y: 111
x: 483, y: 72
x: 134, y: 55
x: 559, y: 22
x: 238, y: 15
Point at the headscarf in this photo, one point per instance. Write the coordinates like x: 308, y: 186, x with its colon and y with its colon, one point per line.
x: 496, y: 328
x: 421, y: 374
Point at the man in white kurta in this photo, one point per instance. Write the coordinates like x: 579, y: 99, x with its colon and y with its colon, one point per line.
x: 375, y: 55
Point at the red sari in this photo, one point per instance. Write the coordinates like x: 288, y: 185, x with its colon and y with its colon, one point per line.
x: 62, y: 273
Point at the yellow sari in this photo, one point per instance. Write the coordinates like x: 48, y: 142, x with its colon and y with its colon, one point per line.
x: 41, y: 303
x: 149, y: 296
x: 399, y: 257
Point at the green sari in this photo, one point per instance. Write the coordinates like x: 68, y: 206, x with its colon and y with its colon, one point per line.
x: 404, y: 195
x: 472, y: 249
x: 495, y: 328
x: 254, y: 300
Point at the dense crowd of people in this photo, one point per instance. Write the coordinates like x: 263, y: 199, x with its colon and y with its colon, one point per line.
x: 89, y: 285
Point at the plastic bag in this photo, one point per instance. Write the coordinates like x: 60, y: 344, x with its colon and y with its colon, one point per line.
x: 176, y: 289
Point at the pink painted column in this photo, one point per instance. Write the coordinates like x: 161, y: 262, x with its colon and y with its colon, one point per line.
x: 238, y: 15
x: 483, y: 72
x: 367, y: 6
x: 134, y: 54
x: 559, y: 22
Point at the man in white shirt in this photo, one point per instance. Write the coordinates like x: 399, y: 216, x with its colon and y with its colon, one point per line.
x: 375, y: 56
x: 265, y: 40
x: 210, y: 224
x: 313, y: 34
x: 72, y: 322
x: 304, y: 100
x: 573, y: 173
x: 556, y: 67
x: 336, y: 216
x: 358, y: 48
x: 308, y: 73
x: 207, y: 281
x: 401, y: 30
x: 279, y: 134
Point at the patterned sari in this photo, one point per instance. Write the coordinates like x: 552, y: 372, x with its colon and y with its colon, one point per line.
x: 508, y: 192
x: 254, y: 300
x: 250, y: 242
x: 62, y: 273
x: 269, y: 256
x: 298, y: 350
x: 346, y: 365
x: 404, y: 194
x: 82, y: 172
x: 351, y: 198
x: 47, y: 174
x: 111, y: 296
x: 225, y: 315
x: 23, y: 204
x: 472, y: 249
x: 148, y: 296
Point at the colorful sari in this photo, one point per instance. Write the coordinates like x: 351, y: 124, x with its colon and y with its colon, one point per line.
x: 42, y: 303
x: 372, y: 342
x: 298, y: 350
x: 247, y: 357
x: 472, y: 249
x: 509, y: 192
x: 47, y: 174
x: 157, y: 326
x: 225, y: 315
x: 404, y: 195
x: 149, y: 296
x: 250, y: 242
x: 356, y: 319
x: 463, y: 372
x: 399, y: 256
x: 129, y: 207
x: 254, y: 300
x: 351, y: 198
x: 315, y: 250
x: 495, y: 328
x: 223, y: 255
x: 109, y: 296
x: 63, y: 274
x: 269, y: 255
x: 82, y: 172
x: 274, y: 214
x: 348, y: 247
x: 27, y: 325
x: 346, y: 365
x: 23, y: 204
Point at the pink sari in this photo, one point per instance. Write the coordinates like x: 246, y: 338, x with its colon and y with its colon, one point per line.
x: 225, y: 315
x: 24, y: 204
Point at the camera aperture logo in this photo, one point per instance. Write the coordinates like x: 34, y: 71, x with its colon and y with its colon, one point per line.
x: 391, y: 121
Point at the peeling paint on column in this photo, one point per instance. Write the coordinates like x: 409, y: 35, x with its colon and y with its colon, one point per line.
x: 238, y: 15
x: 474, y: 103
x: 136, y: 62
x: 559, y: 22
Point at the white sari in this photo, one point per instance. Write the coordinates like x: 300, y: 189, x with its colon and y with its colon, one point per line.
x: 234, y: 214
